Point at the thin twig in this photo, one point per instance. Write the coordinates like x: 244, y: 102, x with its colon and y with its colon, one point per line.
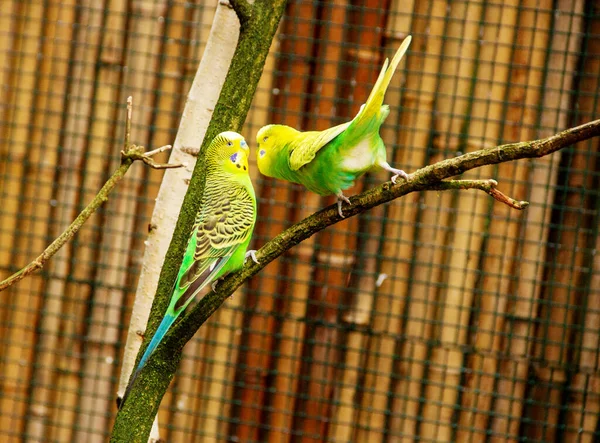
x: 158, y: 150
x: 129, y: 154
x: 137, y: 153
x: 128, y: 123
x: 516, y: 204
x: 488, y: 186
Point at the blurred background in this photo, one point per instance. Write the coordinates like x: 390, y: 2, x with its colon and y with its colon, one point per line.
x: 437, y: 317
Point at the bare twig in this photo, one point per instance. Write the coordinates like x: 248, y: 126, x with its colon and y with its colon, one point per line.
x: 158, y: 150
x: 128, y: 123
x: 488, y: 186
x: 508, y: 200
x: 137, y: 153
x: 129, y: 154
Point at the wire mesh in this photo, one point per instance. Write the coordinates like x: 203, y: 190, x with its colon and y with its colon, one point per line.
x: 437, y: 317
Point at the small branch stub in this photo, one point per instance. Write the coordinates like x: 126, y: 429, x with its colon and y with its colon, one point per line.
x: 508, y: 200
x: 133, y: 152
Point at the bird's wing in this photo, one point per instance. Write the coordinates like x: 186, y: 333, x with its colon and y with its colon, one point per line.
x: 305, y: 146
x: 223, y: 224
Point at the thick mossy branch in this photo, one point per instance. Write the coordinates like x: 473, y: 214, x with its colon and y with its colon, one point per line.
x: 258, y: 26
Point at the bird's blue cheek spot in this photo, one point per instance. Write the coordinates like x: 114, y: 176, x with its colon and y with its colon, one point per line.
x: 233, y: 157
x: 262, y: 152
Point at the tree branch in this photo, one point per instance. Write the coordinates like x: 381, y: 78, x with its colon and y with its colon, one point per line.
x: 129, y: 154
x: 424, y: 179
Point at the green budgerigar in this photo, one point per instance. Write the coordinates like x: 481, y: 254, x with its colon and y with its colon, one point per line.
x: 221, y: 233
x: 327, y: 162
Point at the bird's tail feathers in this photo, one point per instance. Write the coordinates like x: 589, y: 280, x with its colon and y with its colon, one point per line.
x: 164, y: 326
x: 177, y: 306
x: 373, y: 105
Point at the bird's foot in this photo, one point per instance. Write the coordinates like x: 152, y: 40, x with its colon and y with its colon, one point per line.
x: 400, y: 173
x: 397, y: 172
x: 251, y: 253
x: 213, y: 285
x: 341, y: 197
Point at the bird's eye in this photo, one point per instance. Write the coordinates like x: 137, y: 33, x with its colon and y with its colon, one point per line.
x: 262, y: 152
x: 233, y: 157
x: 265, y: 139
x: 229, y: 143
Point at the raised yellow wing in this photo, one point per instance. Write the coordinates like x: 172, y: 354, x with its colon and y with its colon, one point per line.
x: 305, y: 146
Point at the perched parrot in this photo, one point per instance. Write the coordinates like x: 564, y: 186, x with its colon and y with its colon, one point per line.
x: 327, y: 162
x: 221, y: 232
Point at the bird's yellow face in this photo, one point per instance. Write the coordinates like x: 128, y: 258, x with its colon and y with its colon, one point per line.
x: 265, y: 142
x: 271, y: 140
x: 232, y: 152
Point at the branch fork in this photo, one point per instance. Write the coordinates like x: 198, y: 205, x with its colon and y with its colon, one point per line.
x: 135, y: 152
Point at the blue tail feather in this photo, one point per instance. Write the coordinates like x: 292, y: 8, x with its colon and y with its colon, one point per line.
x: 170, y: 318
x: 164, y: 326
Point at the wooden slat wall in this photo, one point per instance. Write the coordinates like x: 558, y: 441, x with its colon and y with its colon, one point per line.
x: 438, y: 317
x: 24, y: 178
x: 520, y: 330
x: 483, y: 123
x: 54, y: 76
x: 499, y: 251
x: 584, y: 404
x: 417, y: 296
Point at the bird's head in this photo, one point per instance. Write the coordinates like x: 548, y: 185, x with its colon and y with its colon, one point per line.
x: 229, y: 151
x: 270, y: 140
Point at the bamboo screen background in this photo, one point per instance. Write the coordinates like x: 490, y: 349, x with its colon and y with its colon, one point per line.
x: 438, y: 317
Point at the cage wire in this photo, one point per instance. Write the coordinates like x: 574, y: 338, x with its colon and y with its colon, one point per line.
x: 442, y: 316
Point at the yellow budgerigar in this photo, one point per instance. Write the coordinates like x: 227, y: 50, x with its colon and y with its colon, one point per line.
x: 328, y: 162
